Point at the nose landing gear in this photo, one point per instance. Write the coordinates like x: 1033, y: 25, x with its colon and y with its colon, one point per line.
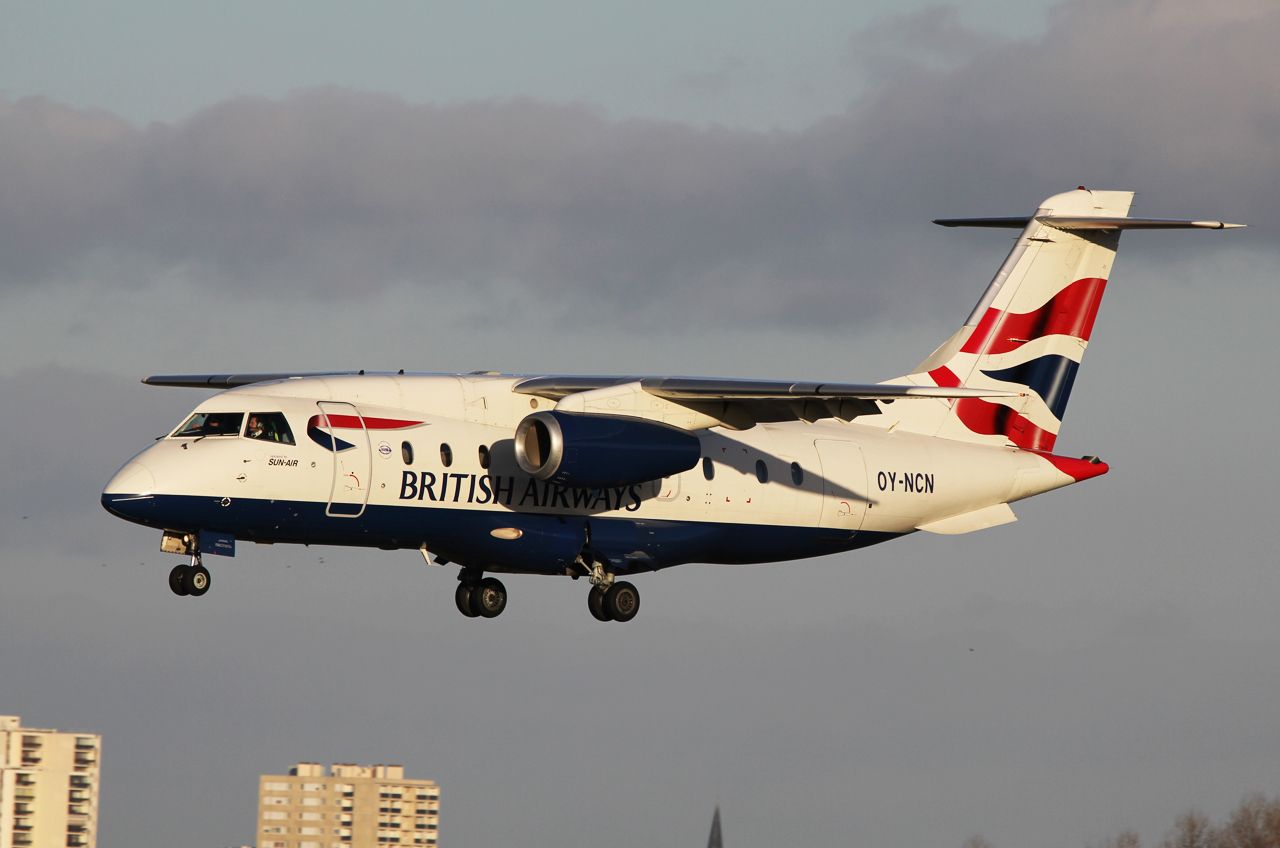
x: 190, y: 579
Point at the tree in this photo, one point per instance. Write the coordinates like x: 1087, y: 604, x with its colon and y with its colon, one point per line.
x: 1253, y: 824
x: 1192, y: 830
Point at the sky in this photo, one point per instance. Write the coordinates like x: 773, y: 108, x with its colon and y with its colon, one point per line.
x: 741, y: 189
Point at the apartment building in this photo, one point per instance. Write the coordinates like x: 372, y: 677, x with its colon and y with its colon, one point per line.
x: 348, y: 806
x: 48, y: 787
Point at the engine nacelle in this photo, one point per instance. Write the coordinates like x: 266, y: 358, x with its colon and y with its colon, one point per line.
x: 599, y: 451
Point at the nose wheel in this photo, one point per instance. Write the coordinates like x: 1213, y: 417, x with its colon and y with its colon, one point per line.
x: 190, y: 579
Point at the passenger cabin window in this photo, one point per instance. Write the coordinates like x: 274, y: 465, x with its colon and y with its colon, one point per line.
x: 406, y: 453
x: 797, y: 473
x: 484, y: 456
x: 708, y: 468
x: 446, y: 455
x: 269, y: 427
x: 762, y: 471
x: 210, y: 424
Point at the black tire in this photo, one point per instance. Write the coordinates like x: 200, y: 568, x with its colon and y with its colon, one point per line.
x: 462, y: 597
x: 595, y: 603
x: 489, y: 598
x: 198, y: 580
x: 178, y: 580
x: 622, y: 601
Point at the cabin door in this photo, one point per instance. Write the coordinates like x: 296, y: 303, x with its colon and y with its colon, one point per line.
x: 345, y: 434
x: 844, y: 484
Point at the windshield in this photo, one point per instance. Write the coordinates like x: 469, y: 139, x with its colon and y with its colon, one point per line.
x: 211, y: 424
x: 269, y: 427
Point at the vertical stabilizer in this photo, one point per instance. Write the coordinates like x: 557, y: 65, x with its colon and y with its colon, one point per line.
x: 1030, y: 329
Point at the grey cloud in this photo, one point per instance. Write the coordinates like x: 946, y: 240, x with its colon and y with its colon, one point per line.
x: 342, y: 193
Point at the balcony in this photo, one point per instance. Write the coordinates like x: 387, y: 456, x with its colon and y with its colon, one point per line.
x: 86, y: 758
x: 22, y: 840
x: 77, y: 809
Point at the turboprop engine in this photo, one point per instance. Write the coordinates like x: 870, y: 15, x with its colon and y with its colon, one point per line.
x: 598, y: 451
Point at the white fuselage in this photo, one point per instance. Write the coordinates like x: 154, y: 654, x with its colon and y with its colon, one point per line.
x: 429, y: 464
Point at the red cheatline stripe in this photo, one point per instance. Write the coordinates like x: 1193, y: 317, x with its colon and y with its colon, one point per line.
x: 1070, y: 312
x: 352, y: 422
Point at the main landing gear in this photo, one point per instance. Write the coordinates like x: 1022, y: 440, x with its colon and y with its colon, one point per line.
x: 609, y: 599
x: 190, y: 579
x: 479, y: 597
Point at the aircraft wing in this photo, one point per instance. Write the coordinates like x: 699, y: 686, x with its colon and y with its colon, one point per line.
x: 231, y: 381
x: 734, y: 403
x: 688, y: 402
x: 705, y: 388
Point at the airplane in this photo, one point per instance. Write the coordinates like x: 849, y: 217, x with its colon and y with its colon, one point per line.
x: 609, y: 477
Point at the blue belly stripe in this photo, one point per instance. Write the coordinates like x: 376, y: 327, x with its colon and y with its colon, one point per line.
x: 549, y: 543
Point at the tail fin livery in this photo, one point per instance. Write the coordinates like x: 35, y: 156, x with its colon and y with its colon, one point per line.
x: 1030, y: 329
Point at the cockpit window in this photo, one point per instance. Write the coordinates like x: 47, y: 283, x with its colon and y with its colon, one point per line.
x: 211, y: 424
x: 269, y: 427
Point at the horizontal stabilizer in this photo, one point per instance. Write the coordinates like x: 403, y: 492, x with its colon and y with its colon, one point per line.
x: 968, y: 522
x: 1094, y: 222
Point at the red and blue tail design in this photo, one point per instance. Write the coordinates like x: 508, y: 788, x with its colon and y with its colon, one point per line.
x: 1029, y: 331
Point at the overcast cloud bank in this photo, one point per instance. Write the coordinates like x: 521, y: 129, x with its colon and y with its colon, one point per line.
x: 342, y: 193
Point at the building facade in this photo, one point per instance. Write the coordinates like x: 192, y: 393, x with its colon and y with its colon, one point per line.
x: 48, y: 787
x: 348, y: 806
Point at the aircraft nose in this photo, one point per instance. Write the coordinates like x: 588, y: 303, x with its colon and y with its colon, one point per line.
x: 129, y: 492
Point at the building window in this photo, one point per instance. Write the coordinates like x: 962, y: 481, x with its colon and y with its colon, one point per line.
x: 762, y: 471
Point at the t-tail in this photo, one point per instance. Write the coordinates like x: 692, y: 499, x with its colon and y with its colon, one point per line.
x: 1032, y: 325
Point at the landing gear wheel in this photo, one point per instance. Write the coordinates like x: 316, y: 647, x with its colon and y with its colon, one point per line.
x: 595, y: 603
x: 178, y: 580
x: 462, y: 597
x: 489, y: 598
x: 622, y: 601
x: 197, y: 582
